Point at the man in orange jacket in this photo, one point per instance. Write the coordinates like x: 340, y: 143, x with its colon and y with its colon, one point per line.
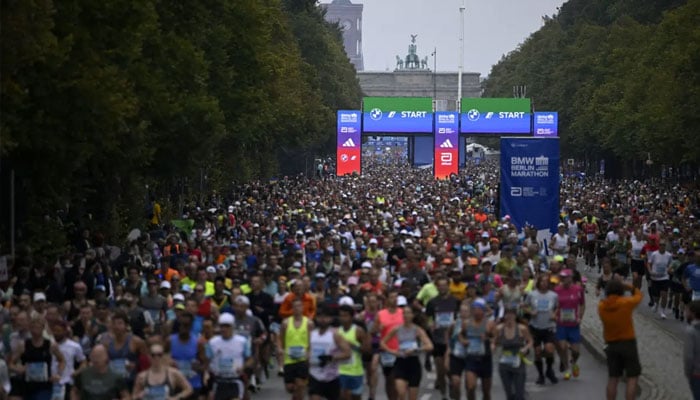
x: 615, y: 312
x: 307, y: 300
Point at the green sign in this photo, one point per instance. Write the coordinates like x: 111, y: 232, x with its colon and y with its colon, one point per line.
x: 496, y: 105
x: 397, y: 115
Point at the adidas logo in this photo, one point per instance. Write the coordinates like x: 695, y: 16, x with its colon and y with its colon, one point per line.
x: 349, y: 143
x: 447, y: 144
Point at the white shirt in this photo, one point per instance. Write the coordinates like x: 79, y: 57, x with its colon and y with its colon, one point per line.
x: 72, y: 353
x: 228, y: 355
x: 659, y: 265
x: 322, y: 345
x: 612, y: 236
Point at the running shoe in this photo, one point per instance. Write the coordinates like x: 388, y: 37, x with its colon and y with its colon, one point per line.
x: 662, y: 315
x: 567, y: 375
x: 540, y: 380
x: 576, y: 370
x: 552, y: 378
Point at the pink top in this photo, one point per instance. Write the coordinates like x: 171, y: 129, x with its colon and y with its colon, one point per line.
x: 389, y: 321
x: 569, y: 301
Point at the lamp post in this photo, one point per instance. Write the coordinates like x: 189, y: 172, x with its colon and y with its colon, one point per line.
x: 462, y: 9
x: 434, y: 73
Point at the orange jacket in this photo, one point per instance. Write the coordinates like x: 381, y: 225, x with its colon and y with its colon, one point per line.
x: 309, y: 306
x: 616, y: 314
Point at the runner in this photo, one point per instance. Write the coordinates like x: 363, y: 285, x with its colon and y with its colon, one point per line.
x: 371, y: 360
x: 98, y: 381
x: 412, y: 340
x: 123, y: 348
x: 516, y: 342
x: 542, y: 305
x: 658, y: 267
x: 188, y: 354
x: 294, y: 344
x: 33, y: 359
x: 352, y: 371
x: 476, y: 334
x: 637, y: 243
x: 160, y: 381
x: 326, y: 349
x: 231, y: 353
x: 441, y: 312
x: 572, y: 305
x: 387, y: 319
x: 73, y: 356
x: 456, y: 353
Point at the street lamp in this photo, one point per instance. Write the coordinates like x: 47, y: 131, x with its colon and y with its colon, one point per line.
x: 462, y: 9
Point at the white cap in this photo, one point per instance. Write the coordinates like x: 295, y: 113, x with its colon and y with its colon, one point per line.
x: 297, y: 264
x: 226, y: 319
x: 222, y: 267
x: 485, y: 235
x: 373, y: 241
x: 165, y: 285
x: 366, y: 264
x: 408, y: 241
x: 211, y: 269
x: 39, y: 296
x: 178, y: 297
x: 346, y: 301
x: 401, y: 301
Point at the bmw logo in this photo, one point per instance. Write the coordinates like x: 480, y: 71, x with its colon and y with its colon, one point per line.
x: 375, y: 114
x: 344, y: 157
x: 473, y: 114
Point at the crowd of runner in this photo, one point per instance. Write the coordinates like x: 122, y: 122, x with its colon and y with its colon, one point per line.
x: 331, y: 282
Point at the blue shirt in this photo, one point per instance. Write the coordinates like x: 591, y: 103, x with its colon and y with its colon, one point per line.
x: 692, y: 273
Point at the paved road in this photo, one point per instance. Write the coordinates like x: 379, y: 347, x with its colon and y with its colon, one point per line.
x: 589, y: 386
x: 659, y: 342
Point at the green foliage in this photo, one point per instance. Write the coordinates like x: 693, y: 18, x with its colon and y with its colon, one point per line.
x: 624, y: 76
x: 102, y: 99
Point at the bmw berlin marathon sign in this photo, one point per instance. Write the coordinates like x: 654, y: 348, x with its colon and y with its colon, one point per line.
x: 495, y: 116
x: 349, y: 145
x: 546, y: 124
x: 530, y: 181
x: 397, y: 114
x: 446, y: 157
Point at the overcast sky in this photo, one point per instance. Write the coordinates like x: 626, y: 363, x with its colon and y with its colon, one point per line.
x: 492, y: 28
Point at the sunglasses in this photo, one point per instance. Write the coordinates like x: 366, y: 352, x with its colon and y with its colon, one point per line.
x: 156, y: 354
x: 199, y: 290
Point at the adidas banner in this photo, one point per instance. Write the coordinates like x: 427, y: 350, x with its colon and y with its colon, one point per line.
x: 446, y: 144
x: 349, y: 147
x: 530, y: 182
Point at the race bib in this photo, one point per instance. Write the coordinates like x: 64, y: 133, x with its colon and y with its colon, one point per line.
x: 659, y: 270
x: 510, y: 359
x: 590, y: 237
x: 118, y: 366
x: 476, y: 347
x: 58, y: 392
x: 296, y: 352
x: 443, y: 319
x: 185, y: 367
x: 160, y: 392
x: 542, y: 305
x: 408, y: 345
x: 696, y: 295
x: 275, y: 328
x: 458, y: 349
x: 568, y: 315
x: 37, y: 372
x: 387, y: 359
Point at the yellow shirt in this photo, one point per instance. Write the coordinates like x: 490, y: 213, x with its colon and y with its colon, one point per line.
x: 156, y: 214
x: 458, y: 290
x: 372, y: 254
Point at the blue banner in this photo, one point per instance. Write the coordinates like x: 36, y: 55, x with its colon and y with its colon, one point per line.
x: 546, y: 124
x: 377, y: 120
x: 530, y: 182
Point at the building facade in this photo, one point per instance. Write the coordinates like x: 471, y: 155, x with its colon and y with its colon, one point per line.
x: 349, y: 15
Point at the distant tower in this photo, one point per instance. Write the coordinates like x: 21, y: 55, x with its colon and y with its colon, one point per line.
x: 350, y: 17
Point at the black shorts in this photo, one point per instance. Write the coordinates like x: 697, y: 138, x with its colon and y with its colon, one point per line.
x: 623, y: 358
x: 481, y: 366
x: 408, y: 369
x: 457, y: 365
x: 622, y: 270
x: 677, y: 287
x: 590, y: 246
x: 229, y: 389
x: 295, y: 371
x: 367, y: 358
x: 638, y: 267
x: 439, y: 350
x: 542, y: 336
x: 659, y: 286
x: 17, y: 387
x: 329, y: 390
